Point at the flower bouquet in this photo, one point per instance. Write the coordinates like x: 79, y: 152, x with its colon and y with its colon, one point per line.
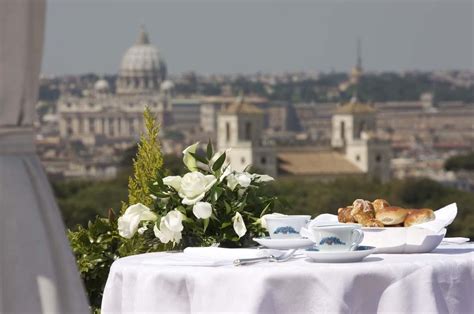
x: 210, y: 205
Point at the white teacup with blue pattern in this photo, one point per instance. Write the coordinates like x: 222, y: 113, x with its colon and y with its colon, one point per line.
x: 340, y: 237
x: 286, y: 227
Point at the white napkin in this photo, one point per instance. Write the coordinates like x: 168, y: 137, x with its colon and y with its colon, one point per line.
x: 455, y: 240
x: 443, y: 217
x: 209, y: 256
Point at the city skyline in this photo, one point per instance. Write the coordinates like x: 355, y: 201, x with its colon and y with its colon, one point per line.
x: 242, y: 37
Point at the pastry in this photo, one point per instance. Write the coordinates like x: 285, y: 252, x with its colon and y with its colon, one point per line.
x: 379, y: 204
x: 418, y: 216
x: 344, y: 215
x: 391, y: 215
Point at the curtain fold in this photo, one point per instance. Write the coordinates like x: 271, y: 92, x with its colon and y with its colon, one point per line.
x: 38, y: 273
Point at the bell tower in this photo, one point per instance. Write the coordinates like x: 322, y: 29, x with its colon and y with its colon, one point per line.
x: 240, y: 128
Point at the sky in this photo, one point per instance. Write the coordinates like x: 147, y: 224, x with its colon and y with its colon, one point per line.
x: 268, y: 36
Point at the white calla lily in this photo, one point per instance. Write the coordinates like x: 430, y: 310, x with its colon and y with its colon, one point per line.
x: 262, y: 178
x: 188, y: 159
x: 232, y: 181
x: 202, y: 210
x: 225, y: 173
x: 129, y: 221
x: 239, y: 225
x: 164, y: 234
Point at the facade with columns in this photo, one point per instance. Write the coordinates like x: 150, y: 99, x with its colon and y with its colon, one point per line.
x: 119, y: 116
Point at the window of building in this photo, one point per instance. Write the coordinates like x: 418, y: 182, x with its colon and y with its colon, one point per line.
x: 248, y: 130
x: 378, y: 158
x: 362, y: 127
x: 91, y: 125
x: 343, y: 130
x: 111, y: 126
x: 131, y: 127
x: 358, y: 157
x: 227, y: 131
x: 242, y: 160
x: 263, y: 160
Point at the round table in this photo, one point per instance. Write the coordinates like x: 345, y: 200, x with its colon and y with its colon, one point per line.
x: 438, y: 282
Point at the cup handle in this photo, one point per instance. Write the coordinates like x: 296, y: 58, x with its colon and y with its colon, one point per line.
x: 305, y: 233
x: 357, y: 236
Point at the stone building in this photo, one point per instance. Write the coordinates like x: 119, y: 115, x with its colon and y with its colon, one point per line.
x: 101, y: 115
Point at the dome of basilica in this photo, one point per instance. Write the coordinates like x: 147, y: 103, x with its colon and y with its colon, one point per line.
x: 101, y: 86
x: 142, y: 68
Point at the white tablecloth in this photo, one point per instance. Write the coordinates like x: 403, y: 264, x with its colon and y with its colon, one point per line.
x: 437, y: 282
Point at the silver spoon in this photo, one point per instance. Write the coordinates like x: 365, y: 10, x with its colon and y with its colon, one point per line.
x: 270, y: 258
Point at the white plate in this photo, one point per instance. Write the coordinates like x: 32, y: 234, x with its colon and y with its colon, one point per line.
x: 284, y: 244
x: 402, y: 240
x: 339, y: 257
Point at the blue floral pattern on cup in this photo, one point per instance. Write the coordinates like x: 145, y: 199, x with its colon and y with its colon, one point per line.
x: 331, y: 241
x: 285, y: 230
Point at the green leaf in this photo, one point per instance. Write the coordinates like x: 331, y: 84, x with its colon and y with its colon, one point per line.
x: 228, y: 208
x: 209, y: 150
x: 199, y: 158
x: 206, y: 223
x: 219, y: 162
x: 217, y: 193
x: 225, y: 224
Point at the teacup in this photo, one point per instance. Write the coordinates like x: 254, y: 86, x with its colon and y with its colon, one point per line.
x: 286, y: 227
x: 339, y: 237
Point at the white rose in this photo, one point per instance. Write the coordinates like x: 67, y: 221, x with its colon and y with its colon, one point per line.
x: 244, y: 179
x: 174, y: 221
x: 129, y: 221
x: 202, y: 210
x: 188, y: 159
x: 164, y: 234
x: 263, y: 221
x: 192, y: 187
x: 239, y: 225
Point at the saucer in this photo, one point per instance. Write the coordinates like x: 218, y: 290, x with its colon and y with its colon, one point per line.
x: 339, y: 257
x: 284, y: 244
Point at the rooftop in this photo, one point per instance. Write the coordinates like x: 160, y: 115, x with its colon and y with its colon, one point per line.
x: 241, y: 106
x: 354, y: 106
x: 323, y: 162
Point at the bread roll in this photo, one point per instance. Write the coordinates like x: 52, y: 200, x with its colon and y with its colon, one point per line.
x: 379, y: 204
x: 391, y: 215
x: 418, y: 216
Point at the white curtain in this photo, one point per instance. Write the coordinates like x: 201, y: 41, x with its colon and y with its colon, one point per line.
x: 38, y: 273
